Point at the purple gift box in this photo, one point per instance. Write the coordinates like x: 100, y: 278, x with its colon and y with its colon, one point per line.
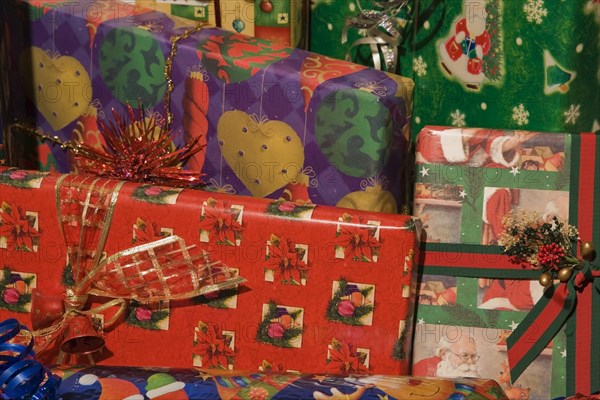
x: 277, y: 122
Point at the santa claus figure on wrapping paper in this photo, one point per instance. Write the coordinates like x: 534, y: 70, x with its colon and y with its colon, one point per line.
x: 461, y: 55
x: 470, y: 146
x: 509, y: 295
x: 497, y: 202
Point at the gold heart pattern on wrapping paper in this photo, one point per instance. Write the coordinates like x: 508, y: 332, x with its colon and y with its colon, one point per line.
x: 369, y: 200
x: 265, y: 155
x: 59, y: 86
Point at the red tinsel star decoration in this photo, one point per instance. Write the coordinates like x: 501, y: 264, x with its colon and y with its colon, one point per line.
x: 138, y: 149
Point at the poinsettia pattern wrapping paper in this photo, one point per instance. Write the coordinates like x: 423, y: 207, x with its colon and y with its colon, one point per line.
x: 328, y: 289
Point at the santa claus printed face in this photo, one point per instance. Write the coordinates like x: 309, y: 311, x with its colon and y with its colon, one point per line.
x: 460, y: 360
x: 476, y: 19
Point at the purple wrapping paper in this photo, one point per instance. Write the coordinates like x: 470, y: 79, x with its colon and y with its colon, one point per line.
x: 351, y: 122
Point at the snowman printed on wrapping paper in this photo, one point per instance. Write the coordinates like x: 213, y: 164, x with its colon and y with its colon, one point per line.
x: 461, y: 55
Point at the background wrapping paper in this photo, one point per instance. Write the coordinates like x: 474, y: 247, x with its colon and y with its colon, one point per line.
x: 282, y: 22
x: 539, y: 64
x: 465, y: 185
x: 158, y: 383
x: 294, y: 258
x: 348, y: 125
x: 530, y: 64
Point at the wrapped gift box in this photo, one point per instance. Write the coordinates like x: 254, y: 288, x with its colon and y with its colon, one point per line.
x: 493, y: 64
x: 325, y: 285
x: 273, y: 118
x: 472, y: 296
x: 100, y: 382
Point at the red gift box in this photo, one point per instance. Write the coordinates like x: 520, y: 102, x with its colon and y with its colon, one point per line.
x: 327, y: 289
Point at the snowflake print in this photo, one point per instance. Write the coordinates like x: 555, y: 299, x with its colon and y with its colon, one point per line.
x: 572, y: 114
x: 535, y: 11
x: 420, y: 66
x: 458, y: 118
x: 521, y: 115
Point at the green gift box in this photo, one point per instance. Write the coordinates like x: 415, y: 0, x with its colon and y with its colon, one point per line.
x: 530, y: 64
x: 472, y: 296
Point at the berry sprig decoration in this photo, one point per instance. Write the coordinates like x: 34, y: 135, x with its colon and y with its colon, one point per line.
x: 543, y: 244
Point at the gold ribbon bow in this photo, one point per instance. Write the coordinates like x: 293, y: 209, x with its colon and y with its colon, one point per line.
x: 165, y: 269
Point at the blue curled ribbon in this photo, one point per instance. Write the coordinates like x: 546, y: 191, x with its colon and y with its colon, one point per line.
x: 21, y: 376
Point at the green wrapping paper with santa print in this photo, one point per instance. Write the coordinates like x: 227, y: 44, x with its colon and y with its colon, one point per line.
x: 531, y: 64
x: 327, y: 289
x: 467, y: 180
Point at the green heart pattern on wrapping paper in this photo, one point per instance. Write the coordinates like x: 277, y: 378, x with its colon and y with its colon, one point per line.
x: 132, y: 66
x: 358, y: 147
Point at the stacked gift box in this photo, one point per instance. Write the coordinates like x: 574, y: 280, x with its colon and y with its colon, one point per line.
x: 314, y: 287
x: 302, y: 287
x: 490, y: 64
x: 466, y: 186
x: 226, y: 85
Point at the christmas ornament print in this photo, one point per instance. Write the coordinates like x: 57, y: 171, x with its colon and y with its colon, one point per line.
x: 266, y: 6
x: 122, y: 51
x: 341, y: 138
x: 195, y: 105
x: 22, y: 179
x: 15, y: 290
x: 87, y: 131
x: 317, y: 69
x: 103, y: 10
x: 59, y: 86
x: 281, y: 326
x: 265, y: 155
x: 238, y: 25
x: 351, y: 303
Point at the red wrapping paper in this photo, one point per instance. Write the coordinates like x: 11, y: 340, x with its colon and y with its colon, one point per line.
x: 349, y: 304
